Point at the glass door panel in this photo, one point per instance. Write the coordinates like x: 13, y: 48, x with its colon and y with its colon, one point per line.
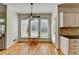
x: 34, y: 28
x: 44, y: 29
x: 2, y: 26
x: 24, y: 28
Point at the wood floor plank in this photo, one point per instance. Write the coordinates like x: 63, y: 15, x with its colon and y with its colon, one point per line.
x: 26, y: 49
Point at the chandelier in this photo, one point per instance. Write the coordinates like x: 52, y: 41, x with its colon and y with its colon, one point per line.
x: 31, y: 14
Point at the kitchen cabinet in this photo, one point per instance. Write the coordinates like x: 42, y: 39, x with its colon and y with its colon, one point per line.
x: 2, y: 26
x: 69, y: 19
x: 2, y: 42
x: 69, y: 46
x: 61, y: 19
x: 64, y: 44
x: 77, y: 19
x: 74, y: 47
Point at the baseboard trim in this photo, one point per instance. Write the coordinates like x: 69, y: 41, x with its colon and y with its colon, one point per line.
x: 58, y: 49
x: 61, y: 51
x: 13, y: 44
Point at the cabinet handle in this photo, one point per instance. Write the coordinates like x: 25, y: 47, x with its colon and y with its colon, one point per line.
x: 74, y: 46
x: 74, y: 52
x: 74, y: 41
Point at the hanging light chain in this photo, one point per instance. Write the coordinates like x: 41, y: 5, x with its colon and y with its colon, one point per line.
x: 31, y: 8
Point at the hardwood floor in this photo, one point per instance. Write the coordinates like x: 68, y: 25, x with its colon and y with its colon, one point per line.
x: 26, y: 49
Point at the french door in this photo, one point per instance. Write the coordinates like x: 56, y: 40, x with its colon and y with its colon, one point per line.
x: 29, y: 28
x: 24, y: 28
x: 44, y: 28
x: 36, y: 28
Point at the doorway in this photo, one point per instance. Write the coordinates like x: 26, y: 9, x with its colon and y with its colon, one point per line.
x: 35, y: 28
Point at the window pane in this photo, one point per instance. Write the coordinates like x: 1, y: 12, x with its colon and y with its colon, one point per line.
x: 3, y: 29
x: 2, y: 20
x: 34, y: 27
x: 44, y: 28
x: 24, y: 28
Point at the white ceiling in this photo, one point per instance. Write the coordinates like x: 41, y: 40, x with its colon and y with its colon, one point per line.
x: 37, y: 7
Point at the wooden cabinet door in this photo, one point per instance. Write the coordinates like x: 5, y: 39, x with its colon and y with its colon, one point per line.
x: 2, y: 43
x: 64, y: 45
x: 61, y: 19
x: 69, y: 19
x: 77, y: 19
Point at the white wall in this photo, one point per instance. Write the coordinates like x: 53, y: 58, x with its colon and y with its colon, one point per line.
x: 12, y: 26
x: 37, y: 7
x: 54, y: 26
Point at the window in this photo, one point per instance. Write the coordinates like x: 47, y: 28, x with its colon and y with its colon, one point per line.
x: 44, y: 28
x: 34, y: 27
x: 38, y: 27
x: 24, y: 28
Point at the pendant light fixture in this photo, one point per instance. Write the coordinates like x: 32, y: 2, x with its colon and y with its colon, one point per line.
x: 31, y: 15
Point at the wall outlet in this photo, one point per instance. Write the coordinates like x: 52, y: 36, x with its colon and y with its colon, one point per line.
x: 14, y: 40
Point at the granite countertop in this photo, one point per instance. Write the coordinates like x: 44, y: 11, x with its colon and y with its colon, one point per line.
x: 70, y: 32
x: 2, y: 35
x: 71, y: 36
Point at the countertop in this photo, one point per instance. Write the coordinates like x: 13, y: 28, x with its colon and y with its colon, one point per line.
x: 69, y: 32
x: 2, y: 36
x: 70, y: 27
x: 71, y: 36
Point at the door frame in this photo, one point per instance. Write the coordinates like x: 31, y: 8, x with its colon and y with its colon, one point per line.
x: 48, y: 16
